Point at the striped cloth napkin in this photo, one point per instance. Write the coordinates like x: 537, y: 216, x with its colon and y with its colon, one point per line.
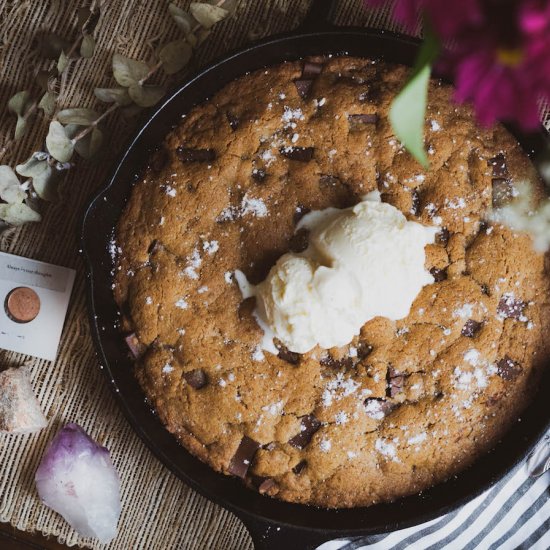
x: 514, y: 514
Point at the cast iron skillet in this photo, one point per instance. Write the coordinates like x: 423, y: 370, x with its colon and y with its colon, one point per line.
x: 272, y: 524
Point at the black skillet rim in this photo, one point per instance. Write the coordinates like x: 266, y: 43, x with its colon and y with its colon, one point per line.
x: 245, y: 511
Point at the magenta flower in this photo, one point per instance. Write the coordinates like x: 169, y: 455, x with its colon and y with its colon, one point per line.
x: 500, y: 58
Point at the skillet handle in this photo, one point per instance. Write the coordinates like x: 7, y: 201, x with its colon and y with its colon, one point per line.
x: 268, y: 536
x: 318, y: 16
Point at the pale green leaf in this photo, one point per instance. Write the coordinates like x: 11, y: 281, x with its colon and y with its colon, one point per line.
x: 128, y: 71
x: 48, y: 103
x: 89, y: 146
x: 408, y: 109
x: 10, y: 187
x: 62, y: 62
x: 87, y: 46
x: 21, y: 127
x: 175, y: 55
x: 58, y: 143
x: 18, y: 214
x: 77, y: 115
x: 113, y: 95
x: 45, y: 179
x: 19, y: 103
x: 183, y: 20
x: 146, y: 96
x: 206, y: 14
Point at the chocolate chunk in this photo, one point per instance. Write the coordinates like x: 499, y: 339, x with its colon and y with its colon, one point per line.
x: 136, y: 348
x: 299, y: 241
x: 438, y: 274
x: 300, y: 212
x: 498, y: 162
x: 309, y: 426
x: 243, y: 457
x: 332, y: 363
x: 363, y: 350
x: 286, y: 355
x: 233, y: 120
x: 258, y: 175
x: 159, y: 159
x: 154, y: 247
x: 373, y: 93
x: 186, y: 154
x: 326, y: 180
x: 246, y: 308
x: 301, y: 154
x: 196, y: 378
x: 359, y: 122
x: 415, y: 203
x: 311, y: 69
x: 299, y: 468
x: 508, y: 369
x: 266, y: 485
x: 510, y: 308
x: 303, y: 87
x: 471, y: 328
x: 442, y: 237
x: 503, y: 192
x: 485, y: 289
x: 378, y: 408
x: 395, y: 382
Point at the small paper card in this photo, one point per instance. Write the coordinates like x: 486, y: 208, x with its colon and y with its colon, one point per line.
x: 34, y: 297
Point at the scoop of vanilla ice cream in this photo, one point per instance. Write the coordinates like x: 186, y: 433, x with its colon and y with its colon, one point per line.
x: 361, y: 262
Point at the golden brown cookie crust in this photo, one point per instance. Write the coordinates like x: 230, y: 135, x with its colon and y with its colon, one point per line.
x: 408, y: 403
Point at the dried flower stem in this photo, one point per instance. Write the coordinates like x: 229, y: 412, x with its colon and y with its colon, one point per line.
x: 153, y: 70
x: 82, y: 134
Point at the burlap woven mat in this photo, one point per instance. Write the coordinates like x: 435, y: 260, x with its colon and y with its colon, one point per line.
x: 158, y: 510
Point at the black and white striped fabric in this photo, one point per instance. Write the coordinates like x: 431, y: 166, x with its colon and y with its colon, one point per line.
x: 514, y: 514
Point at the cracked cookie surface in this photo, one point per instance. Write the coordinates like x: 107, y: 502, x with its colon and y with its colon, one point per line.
x: 406, y: 404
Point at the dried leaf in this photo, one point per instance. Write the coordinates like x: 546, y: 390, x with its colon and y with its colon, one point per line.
x: 77, y: 115
x: 82, y: 15
x: 175, y: 55
x: 87, y: 46
x: 88, y: 146
x: 45, y: 179
x: 18, y: 214
x: 131, y: 111
x: 43, y: 79
x: 183, y: 20
x: 90, y: 23
x: 48, y: 103
x: 202, y: 35
x: 128, y: 71
x: 19, y: 102
x: 113, y: 95
x: 192, y: 39
x: 10, y: 187
x: 57, y: 142
x: 146, y: 96
x: 50, y: 45
x: 62, y: 62
x: 229, y: 5
x: 206, y: 14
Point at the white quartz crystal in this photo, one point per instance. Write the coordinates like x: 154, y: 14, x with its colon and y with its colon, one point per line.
x: 77, y: 479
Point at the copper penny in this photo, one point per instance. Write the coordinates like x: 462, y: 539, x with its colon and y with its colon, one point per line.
x: 22, y: 304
